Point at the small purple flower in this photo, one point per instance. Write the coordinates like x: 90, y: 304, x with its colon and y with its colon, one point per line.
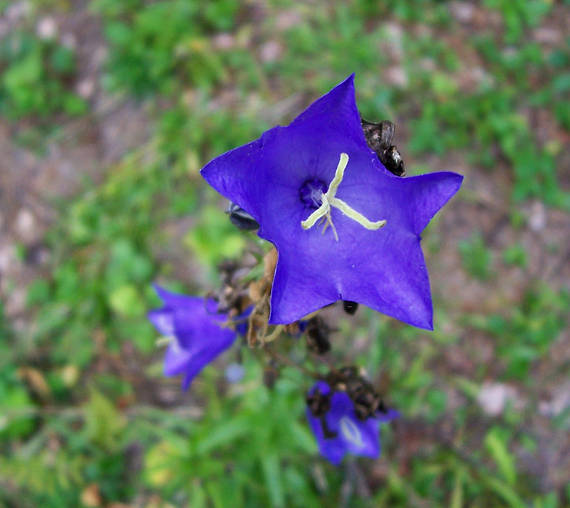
x: 345, y: 227
x: 340, y: 431
x: 196, y: 332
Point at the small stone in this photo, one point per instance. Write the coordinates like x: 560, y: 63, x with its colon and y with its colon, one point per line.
x: 46, y: 28
x: 393, y: 43
x: 270, y: 51
x: 287, y: 19
x: 7, y: 257
x: 224, y: 41
x: 493, y: 397
x: 86, y: 88
x: 549, y: 36
x: 559, y: 403
x: 537, y: 216
x: 396, y: 76
x: 462, y: 11
x: 69, y: 41
x: 25, y: 225
x: 15, y: 302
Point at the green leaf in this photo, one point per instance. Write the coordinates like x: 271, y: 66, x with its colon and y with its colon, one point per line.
x: 272, y: 473
x: 14, y: 404
x: 505, y: 461
x: 304, y: 439
x: 161, y: 463
x: 457, y: 498
x: 504, y: 491
x: 126, y: 300
x: 74, y: 105
x: 103, y: 422
x: 222, y: 434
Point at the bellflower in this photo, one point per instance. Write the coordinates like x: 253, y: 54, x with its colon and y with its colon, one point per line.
x: 196, y: 332
x: 345, y: 228
x: 340, y: 431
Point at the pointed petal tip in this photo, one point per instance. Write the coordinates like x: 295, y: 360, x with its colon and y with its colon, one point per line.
x: 457, y: 180
x: 451, y: 180
x: 421, y: 319
x: 187, y: 381
x: 278, y: 315
x: 389, y: 415
x: 162, y: 293
x: 347, y: 83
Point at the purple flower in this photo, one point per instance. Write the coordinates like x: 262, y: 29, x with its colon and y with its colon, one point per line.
x: 196, y: 331
x: 345, y: 227
x: 340, y: 431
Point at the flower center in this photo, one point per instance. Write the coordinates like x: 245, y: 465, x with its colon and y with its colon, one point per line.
x: 351, y: 432
x: 310, y: 193
x: 328, y: 199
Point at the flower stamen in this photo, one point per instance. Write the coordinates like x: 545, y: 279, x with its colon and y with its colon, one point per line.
x: 351, y: 432
x: 329, y: 199
x: 165, y: 340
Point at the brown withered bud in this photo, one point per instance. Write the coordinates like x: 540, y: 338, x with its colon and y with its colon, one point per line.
x: 292, y: 329
x: 319, y: 404
x: 227, y: 269
x: 350, y: 307
x: 379, y: 138
x: 240, y: 218
x: 232, y: 297
x: 379, y: 135
x: 365, y: 398
x: 393, y: 161
x: 317, y: 336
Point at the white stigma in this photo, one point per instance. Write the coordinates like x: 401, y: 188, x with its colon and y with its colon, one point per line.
x: 166, y: 340
x: 329, y: 200
x: 351, y: 432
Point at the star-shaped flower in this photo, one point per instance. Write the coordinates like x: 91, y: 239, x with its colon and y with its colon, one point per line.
x: 345, y: 228
x: 340, y: 431
x: 196, y: 332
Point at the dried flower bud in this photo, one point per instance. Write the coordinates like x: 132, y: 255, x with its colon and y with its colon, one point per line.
x: 318, y: 336
x: 241, y: 219
x: 367, y: 402
x: 318, y: 402
x: 350, y: 307
x: 379, y: 138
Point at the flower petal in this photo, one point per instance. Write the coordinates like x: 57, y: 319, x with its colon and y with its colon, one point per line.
x: 199, y: 333
x: 381, y: 268
x: 163, y: 321
x: 429, y: 193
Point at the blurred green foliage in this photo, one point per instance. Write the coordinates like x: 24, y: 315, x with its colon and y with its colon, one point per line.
x: 526, y: 334
x: 35, y: 77
x: 75, y: 426
x: 475, y: 256
x: 157, y: 47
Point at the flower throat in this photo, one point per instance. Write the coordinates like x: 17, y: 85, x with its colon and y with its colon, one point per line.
x: 328, y: 199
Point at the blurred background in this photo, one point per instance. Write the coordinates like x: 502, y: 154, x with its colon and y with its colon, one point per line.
x: 108, y: 109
